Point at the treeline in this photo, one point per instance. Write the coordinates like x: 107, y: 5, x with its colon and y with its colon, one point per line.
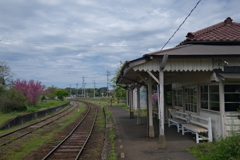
x: 89, y: 92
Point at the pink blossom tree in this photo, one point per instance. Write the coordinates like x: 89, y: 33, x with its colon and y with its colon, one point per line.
x: 155, y: 97
x: 31, y: 90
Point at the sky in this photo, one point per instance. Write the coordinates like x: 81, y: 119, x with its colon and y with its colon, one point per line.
x: 63, y: 42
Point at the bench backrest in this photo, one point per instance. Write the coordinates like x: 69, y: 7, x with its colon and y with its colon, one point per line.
x: 182, y: 115
x: 194, y: 120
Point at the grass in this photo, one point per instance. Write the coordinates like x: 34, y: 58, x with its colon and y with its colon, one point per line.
x: 33, y: 143
x: 111, y: 135
x: 48, y: 104
x: 224, y: 149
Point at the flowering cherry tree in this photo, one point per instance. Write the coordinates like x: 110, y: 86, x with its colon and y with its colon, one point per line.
x: 155, y: 97
x: 31, y: 90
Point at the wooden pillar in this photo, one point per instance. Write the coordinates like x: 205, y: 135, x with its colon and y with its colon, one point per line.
x: 127, y: 95
x: 150, y: 115
x: 131, y: 103
x: 222, y: 107
x: 138, y: 106
x: 162, y: 139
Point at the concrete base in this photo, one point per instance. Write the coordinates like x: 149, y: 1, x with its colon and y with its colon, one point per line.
x: 151, y: 131
x: 139, y: 122
x: 162, y: 142
x: 131, y: 115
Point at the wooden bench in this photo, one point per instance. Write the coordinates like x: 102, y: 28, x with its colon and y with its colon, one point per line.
x: 178, y: 119
x: 199, y: 125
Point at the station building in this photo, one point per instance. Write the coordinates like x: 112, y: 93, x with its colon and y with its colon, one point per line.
x: 200, y: 76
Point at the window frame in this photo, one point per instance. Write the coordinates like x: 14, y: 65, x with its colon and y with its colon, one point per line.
x: 179, y: 98
x: 209, y: 100
x: 189, y: 97
x: 230, y: 93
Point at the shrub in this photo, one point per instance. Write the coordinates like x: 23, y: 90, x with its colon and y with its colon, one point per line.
x: 43, y: 98
x: 228, y: 148
x: 225, y: 149
x: 12, y: 100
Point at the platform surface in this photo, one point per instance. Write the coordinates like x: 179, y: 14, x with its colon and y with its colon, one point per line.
x: 132, y: 143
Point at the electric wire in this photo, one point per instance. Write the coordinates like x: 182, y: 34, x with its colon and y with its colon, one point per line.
x: 181, y: 24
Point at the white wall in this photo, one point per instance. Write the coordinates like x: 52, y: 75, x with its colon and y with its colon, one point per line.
x: 143, y: 98
x: 216, y: 122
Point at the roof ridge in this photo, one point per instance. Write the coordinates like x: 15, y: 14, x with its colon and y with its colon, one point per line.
x: 226, y: 31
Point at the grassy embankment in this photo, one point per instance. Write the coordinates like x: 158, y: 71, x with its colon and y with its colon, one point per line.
x: 48, y: 104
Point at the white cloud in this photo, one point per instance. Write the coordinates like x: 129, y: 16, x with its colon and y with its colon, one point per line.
x: 61, y: 41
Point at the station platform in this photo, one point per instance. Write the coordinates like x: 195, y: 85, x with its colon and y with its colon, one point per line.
x: 132, y: 143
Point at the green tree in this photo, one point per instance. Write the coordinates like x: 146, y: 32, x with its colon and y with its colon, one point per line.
x: 61, y: 93
x: 49, y: 92
x: 12, y: 100
x: 119, y: 91
x: 5, y: 73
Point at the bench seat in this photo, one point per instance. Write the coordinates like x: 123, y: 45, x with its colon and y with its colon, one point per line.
x: 176, y: 122
x: 198, y: 127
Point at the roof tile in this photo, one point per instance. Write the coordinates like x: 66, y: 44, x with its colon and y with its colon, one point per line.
x: 226, y: 31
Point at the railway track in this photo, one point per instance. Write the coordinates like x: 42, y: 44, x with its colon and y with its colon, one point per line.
x: 19, y: 133
x: 73, y: 144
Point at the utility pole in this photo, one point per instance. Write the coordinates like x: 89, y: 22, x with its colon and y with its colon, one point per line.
x: 83, y: 87
x: 77, y: 90
x: 70, y: 91
x: 108, y: 74
x: 94, y: 89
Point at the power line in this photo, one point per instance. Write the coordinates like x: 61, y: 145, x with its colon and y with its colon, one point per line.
x: 180, y: 25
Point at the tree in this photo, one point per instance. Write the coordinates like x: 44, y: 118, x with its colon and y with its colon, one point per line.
x: 12, y: 100
x: 119, y: 91
x: 49, y: 92
x: 5, y: 73
x: 60, y: 93
x: 31, y: 90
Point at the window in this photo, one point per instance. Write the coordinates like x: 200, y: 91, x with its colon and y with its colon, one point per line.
x: 210, y: 97
x: 168, y: 90
x: 178, y: 97
x: 191, y: 99
x: 232, y: 97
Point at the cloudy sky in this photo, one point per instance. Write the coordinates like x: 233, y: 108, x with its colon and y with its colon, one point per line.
x: 58, y: 42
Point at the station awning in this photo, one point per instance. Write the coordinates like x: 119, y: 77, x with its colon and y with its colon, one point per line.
x: 230, y: 76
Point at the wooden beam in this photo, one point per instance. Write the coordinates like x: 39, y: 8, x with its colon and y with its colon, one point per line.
x: 143, y: 79
x: 164, y: 61
x: 150, y: 73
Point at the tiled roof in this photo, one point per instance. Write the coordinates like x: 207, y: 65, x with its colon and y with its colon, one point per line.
x: 226, y: 32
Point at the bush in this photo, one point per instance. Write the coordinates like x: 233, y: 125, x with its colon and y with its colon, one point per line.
x: 225, y: 149
x: 43, y: 98
x: 228, y: 148
x: 12, y: 100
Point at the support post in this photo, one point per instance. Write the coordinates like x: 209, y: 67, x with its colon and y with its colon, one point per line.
x: 138, y: 106
x: 150, y: 115
x: 162, y: 139
x: 131, y: 104
x: 222, y: 108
